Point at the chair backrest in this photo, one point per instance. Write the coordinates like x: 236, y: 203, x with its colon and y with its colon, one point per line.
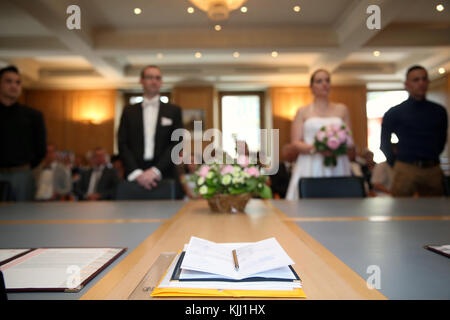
x: 5, y: 191
x: 447, y: 186
x: 132, y: 191
x: 333, y: 187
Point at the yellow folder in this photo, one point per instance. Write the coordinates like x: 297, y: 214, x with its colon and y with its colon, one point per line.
x: 185, y: 292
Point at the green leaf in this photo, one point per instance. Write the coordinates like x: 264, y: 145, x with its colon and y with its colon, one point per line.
x: 266, y: 192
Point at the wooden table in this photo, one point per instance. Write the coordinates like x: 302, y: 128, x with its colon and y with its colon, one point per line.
x: 324, y: 275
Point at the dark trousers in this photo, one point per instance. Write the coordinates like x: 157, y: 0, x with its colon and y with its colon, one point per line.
x: 22, y: 184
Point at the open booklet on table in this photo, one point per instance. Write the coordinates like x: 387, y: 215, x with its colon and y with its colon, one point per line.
x: 265, y: 271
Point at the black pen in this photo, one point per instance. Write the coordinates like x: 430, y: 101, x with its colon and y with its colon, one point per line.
x: 236, y: 263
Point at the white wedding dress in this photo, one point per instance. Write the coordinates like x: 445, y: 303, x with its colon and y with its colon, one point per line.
x: 311, y: 165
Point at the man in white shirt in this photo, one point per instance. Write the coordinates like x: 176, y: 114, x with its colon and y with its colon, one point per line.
x: 145, y: 131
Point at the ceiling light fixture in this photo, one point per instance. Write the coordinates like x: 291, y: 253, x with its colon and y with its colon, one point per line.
x: 137, y: 11
x: 297, y: 9
x: 218, y: 9
x: 441, y: 70
x: 376, y: 53
x: 198, y: 55
x: 236, y: 54
x: 274, y: 54
x: 440, y: 7
x: 244, y: 9
x: 217, y: 27
x: 190, y: 10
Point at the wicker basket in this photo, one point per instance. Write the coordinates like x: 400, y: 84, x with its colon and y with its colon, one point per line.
x: 229, y: 203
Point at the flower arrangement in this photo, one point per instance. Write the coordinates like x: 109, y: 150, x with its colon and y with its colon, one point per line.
x: 333, y: 141
x: 233, y: 179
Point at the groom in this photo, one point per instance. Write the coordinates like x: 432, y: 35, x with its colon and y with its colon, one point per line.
x: 145, y: 131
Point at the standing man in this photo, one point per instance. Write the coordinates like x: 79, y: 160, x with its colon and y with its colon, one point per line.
x: 22, y: 137
x: 145, y: 132
x: 421, y: 127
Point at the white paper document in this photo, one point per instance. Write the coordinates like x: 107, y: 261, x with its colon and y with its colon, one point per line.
x: 224, y: 285
x: 55, y: 268
x: 207, y: 256
x: 6, y: 254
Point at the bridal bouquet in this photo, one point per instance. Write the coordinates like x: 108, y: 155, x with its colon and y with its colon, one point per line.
x: 232, y: 179
x: 333, y: 141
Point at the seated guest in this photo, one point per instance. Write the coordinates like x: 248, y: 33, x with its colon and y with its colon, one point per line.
x: 382, y: 176
x: 280, y: 180
x: 22, y: 137
x: 367, y: 167
x: 99, y: 182
x: 382, y: 179
x: 53, y: 179
x: 118, y: 164
x: 355, y: 162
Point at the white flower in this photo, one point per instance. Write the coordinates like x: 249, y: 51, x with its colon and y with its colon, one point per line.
x: 226, y: 180
x: 200, y: 181
x: 203, y: 190
x: 210, y: 175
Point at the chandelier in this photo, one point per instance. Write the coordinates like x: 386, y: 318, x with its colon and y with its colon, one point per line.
x: 218, y: 9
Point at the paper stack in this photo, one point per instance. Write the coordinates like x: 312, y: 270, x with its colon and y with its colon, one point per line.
x: 206, y: 268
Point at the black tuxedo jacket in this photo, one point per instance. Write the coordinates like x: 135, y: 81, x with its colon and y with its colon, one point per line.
x: 106, y: 186
x: 131, y: 139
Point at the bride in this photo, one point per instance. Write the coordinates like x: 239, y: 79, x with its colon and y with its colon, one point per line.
x: 307, y: 122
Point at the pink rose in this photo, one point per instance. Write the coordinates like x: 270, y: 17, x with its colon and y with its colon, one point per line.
x: 203, y: 171
x: 227, y: 169
x: 333, y: 143
x: 243, y: 161
x: 330, y: 133
x: 320, y: 136
x: 335, y: 127
x: 252, y: 171
x: 342, y: 136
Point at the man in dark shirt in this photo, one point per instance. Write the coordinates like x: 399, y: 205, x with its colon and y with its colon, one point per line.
x: 421, y: 127
x: 22, y: 137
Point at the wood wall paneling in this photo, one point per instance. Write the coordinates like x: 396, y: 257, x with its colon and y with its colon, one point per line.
x: 76, y: 120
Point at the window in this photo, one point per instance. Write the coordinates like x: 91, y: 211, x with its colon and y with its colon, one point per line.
x: 241, y: 120
x: 378, y: 102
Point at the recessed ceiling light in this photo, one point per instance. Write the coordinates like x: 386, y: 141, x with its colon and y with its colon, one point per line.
x: 274, y: 54
x: 236, y: 54
x: 160, y: 56
x: 198, y: 55
x: 297, y: 8
x: 190, y: 10
x: 137, y: 11
x: 441, y: 70
x: 243, y: 9
x: 376, y: 53
x: 440, y: 7
x: 217, y: 27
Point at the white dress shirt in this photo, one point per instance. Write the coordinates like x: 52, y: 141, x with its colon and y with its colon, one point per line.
x: 95, y: 178
x: 150, y: 108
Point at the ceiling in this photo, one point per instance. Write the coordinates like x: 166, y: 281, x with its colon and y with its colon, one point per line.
x: 114, y: 43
